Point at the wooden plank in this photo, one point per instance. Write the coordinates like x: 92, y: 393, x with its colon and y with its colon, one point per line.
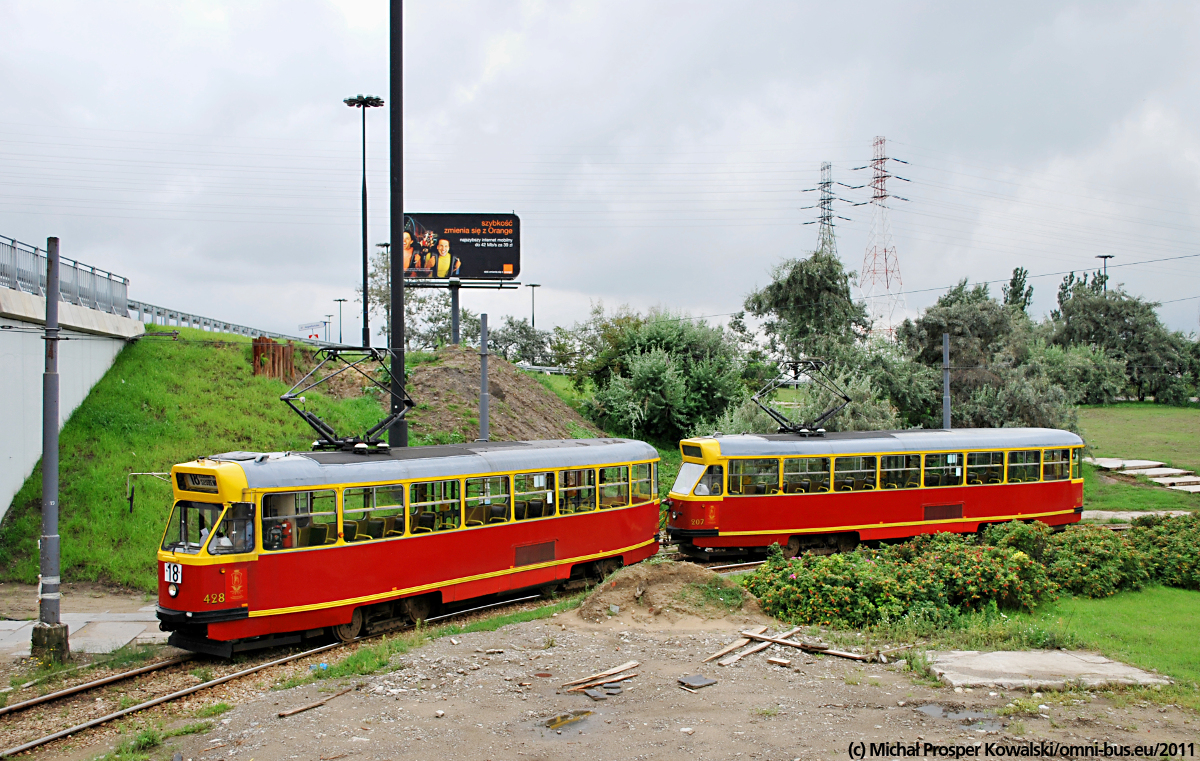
x: 605, y: 680
x: 780, y: 640
x: 779, y: 661
x: 310, y: 706
x: 756, y: 648
x: 610, y: 672
x: 738, y: 643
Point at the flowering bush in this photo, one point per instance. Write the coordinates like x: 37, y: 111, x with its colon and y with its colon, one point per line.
x: 1169, y: 546
x: 1095, y: 562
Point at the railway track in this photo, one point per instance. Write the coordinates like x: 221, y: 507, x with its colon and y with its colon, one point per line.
x: 176, y: 695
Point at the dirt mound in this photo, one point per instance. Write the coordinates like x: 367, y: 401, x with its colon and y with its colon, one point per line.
x: 668, y: 591
x: 447, y: 395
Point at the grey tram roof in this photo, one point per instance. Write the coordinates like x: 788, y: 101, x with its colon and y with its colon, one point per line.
x: 294, y: 469
x: 915, y: 440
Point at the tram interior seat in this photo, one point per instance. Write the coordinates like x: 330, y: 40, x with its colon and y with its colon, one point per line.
x: 498, y: 514
x: 843, y: 484
x: 520, y: 510
x: 316, y: 535
x: 372, y: 528
x: 933, y: 479
x: 864, y: 484
x: 425, y: 523
x: 389, y: 526
x: 537, y: 508
x: 303, y: 536
x: 798, y: 487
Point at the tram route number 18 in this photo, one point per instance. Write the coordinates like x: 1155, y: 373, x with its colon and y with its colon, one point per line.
x: 172, y: 573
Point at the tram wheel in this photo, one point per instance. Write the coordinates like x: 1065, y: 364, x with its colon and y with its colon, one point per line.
x: 417, y: 608
x: 792, y: 548
x: 847, y: 542
x: 347, y: 632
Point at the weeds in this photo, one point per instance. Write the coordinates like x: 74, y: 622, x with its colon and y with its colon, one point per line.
x: 195, y: 728
x: 204, y: 674
x: 216, y: 709
x: 1016, y: 727
x: 716, y: 593
x: 1020, y: 707
x: 766, y: 713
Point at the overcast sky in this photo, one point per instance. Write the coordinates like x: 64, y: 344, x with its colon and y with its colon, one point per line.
x: 656, y: 152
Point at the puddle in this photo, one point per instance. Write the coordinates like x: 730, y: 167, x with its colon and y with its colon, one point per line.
x: 969, y: 719
x: 563, y: 719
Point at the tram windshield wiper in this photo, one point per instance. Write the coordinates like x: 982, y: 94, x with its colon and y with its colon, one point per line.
x: 350, y: 359
x: 789, y: 375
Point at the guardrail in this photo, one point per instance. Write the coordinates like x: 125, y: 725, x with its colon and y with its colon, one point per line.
x: 543, y: 369
x: 173, y: 317
x: 23, y: 268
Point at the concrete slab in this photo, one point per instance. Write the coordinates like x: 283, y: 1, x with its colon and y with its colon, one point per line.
x: 1034, y: 670
x: 1177, y: 480
x: 1189, y: 488
x: 105, y: 636
x: 1155, y: 472
x: 1126, y: 515
x: 1140, y: 464
x: 1106, y: 463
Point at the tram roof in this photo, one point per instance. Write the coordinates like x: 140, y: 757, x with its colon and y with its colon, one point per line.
x: 914, y: 440
x: 301, y: 469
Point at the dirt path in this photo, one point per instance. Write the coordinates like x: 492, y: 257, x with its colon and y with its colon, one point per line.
x: 494, y: 705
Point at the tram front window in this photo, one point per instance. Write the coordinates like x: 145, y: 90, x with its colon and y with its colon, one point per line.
x: 189, y: 526
x: 235, y: 533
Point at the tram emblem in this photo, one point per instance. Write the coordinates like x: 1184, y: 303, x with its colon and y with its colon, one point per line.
x: 237, y: 584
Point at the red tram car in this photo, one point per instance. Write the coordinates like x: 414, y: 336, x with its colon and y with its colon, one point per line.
x: 268, y: 549
x: 827, y: 493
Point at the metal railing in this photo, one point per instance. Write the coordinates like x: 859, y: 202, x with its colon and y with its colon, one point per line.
x: 23, y: 268
x: 156, y: 315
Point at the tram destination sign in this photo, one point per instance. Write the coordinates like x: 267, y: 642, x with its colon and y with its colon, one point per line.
x: 465, y: 246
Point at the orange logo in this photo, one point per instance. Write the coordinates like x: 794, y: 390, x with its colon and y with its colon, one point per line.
x: 237, y: 584
x: 508, y: 268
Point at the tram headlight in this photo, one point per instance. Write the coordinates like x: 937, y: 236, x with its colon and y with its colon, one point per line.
x: 172, y: 590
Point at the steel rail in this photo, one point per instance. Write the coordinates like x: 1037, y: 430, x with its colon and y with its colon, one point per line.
x: 220, y: 680
x: 91, y: 685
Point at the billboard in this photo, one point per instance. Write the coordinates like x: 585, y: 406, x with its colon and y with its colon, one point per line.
x: 466, y: 246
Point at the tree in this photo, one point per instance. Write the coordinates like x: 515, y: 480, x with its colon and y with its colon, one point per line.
x: 1016, y: 294
x: 1157, y: 361
x: 518, y: 341
x: 427, y: 314
x: 976, y: 322
x: 807, y: 306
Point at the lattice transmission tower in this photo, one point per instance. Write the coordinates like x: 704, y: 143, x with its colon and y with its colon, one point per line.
x: 879, y: 281
x: 826, y: 242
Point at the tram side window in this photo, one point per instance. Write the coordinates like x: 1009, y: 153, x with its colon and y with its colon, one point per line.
x: 854, y: 473
x: 576, y: 491
x: 944, y: 469
x: 434, y: 506
x: 373, y: 512
x: 299, y: 519
x: 189, y: 526
x: 487, y: 500
x: 1077, y: 462
x: 1056, y: 466
x: 711, y: 482
x: 985, y: 468
x: 235, y: 533
x: 614, y: 487
x: 900, y: 471
x: 752, y: 477
x: 806, y: 475
x: 1024, y: 466
x: 642, y: 483
x: 533, y: 495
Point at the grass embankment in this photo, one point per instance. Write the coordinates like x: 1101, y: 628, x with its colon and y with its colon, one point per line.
x: 1142, y: 431
x: 162, y: 402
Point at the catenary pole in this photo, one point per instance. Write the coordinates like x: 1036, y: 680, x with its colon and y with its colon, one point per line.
x: 946, y: 381
x: 483, y: 378
x: 49, y: 634
x: 398, y: 435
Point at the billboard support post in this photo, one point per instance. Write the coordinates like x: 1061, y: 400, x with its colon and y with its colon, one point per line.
x: 398, y: 433
x: 454, y: 314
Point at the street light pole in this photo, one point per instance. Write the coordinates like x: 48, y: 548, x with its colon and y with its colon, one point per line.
x: 398, y: 433
x: 533, y: 304
x: 1105, y: 257
x: 328, y: 322
x: 339, y: 303
x: 364, y: 102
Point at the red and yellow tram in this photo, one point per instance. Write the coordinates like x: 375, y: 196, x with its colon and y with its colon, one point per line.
x: 827, y: 493
x: 267, y: 549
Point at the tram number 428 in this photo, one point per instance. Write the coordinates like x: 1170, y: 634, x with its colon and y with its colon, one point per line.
x: 172, y: 573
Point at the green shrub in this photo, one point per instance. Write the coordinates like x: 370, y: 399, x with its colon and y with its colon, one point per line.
x: 1095, y: 562
x: 1031, y: 538
x: 1169, y: 547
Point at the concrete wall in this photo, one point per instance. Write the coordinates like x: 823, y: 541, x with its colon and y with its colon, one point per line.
x: 99, y: 337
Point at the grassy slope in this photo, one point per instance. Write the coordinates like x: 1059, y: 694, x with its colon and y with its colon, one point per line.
x: 161, y: 403
x: 1144, y: 431
x: 1117, y: 626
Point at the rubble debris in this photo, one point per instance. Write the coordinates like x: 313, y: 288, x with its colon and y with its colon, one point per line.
x: 696, y: 681
x: 779, y: 661
x: 596, y: 694
x: 762, y: 645
x: 310, y: 706
x: 737, y: 644
x: 563, y: 719
x: 611, y: 672
x: 598, y: 683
